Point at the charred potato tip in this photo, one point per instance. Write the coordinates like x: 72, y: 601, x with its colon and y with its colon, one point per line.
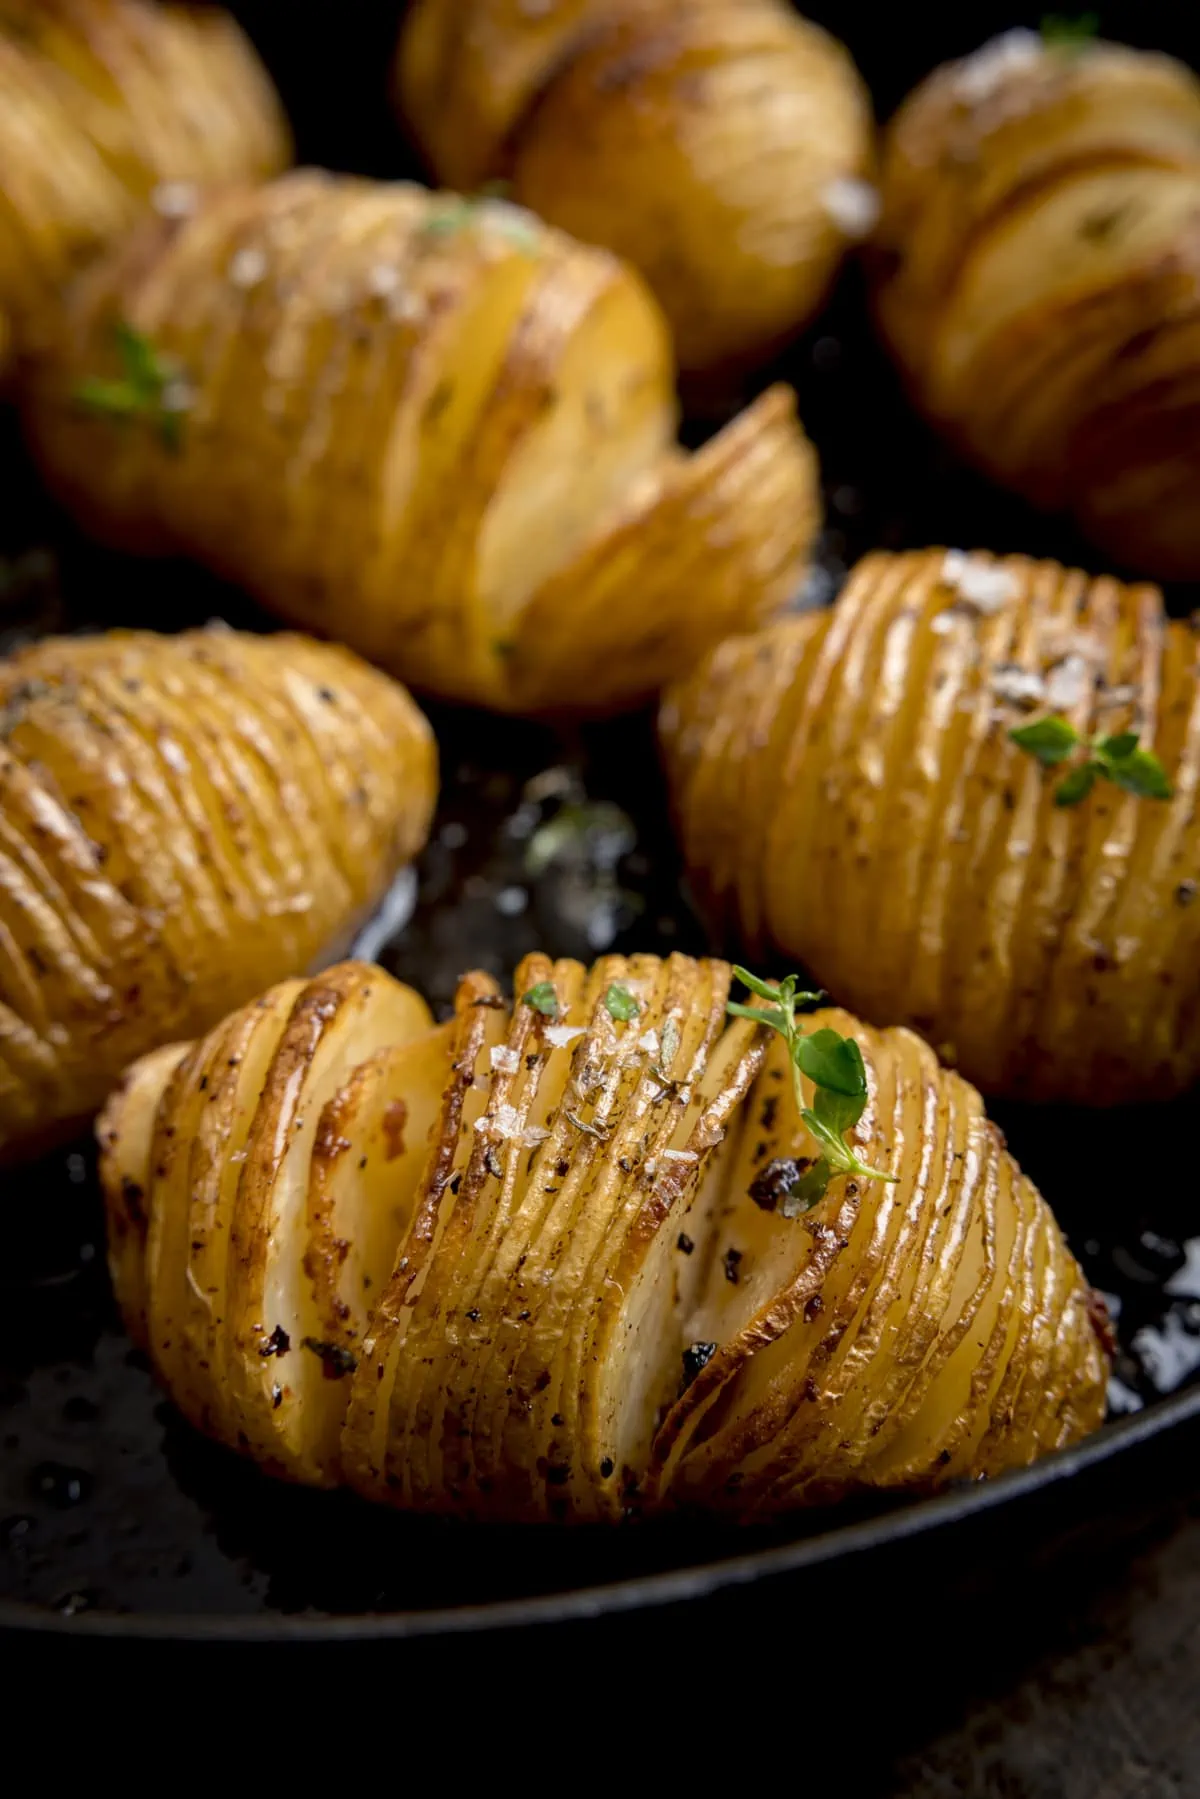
x: 521, y: 1265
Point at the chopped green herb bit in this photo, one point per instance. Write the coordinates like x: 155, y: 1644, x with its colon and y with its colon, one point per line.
x: 1114, y: 758
x: 834, y: 1065
x: 620, y: 1004
x: 151, y: 387
x: 543, y: 999
x: 1061, y: 33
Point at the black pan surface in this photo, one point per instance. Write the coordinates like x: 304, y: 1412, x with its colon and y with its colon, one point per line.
x: 114, y: 1517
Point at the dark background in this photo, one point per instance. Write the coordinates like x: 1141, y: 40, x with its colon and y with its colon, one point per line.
x: 1053, y: 1650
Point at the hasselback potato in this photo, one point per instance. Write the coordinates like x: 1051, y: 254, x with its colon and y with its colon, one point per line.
x: 102, y: 102
x: 181, y: 818
x: 432, y: 428
x: 547, y: 1262
x: 721, y: 146
x: 1036, y: 280
x: 847, y: 788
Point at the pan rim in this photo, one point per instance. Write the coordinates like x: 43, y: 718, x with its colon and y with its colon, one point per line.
x: 674, y: 1586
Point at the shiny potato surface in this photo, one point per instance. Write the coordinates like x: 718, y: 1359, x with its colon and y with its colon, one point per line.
x: 531, y: 1264
x: 180, y: 819
x: 847, y: 789
x: 432, y: 428
x: 721, y: 146
x: 101, y: 103
x: 1036, y: 281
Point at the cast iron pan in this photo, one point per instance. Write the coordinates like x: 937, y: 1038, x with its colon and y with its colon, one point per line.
x: 116, y: 1521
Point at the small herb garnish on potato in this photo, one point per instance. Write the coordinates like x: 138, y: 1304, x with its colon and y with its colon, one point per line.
x: 834, y: 1065
x: 151, y: 387
x: 620, y: 1004
x: 1115, y: 758
x: 1061, y: 33
x: 543, y: 999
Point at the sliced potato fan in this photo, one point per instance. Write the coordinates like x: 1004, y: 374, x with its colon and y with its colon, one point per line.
x: 540, y: 1262
x: 848, y: 788
x: 181, y: 817
x: 428, y: 426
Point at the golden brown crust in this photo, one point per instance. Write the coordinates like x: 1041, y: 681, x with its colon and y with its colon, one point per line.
x: 846, y: 788
x: 102, y: 101
x: 434, y: 429
x: 642, y: 125
x: 571, y: 1236
x: 1036, y: 271
x: 180, y: 818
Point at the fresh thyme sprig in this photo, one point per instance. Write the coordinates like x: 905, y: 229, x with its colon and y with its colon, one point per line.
x: 834, y: 1065
x: 1054, y: 740
x: 151, y: 387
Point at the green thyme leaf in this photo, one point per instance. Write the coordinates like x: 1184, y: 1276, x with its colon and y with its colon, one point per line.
x: 620, y: 1004
x: 1061, y: 33
x: 542, y: 998
x: 143, y: 368
x: 152, y: 387
x: 1051, y: 740
x: 764, y: 989
x: 1115, y: 749
x: 832, y: 1061
x: 839, y: 1111
x: 1141, y: 773
x: 1076, y: 786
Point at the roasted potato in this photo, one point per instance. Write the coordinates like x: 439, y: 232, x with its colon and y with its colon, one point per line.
x: 1036, y: 281
x: 846, y: 788
x: 433, y: 428
x: 180, y: 819
x: 103, y: 102
x: 721, y: 146
x: 538, y: 1263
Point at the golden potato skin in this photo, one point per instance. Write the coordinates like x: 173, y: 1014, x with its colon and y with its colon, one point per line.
x: 846, y: 789
x: 1036, y: 281
x: 434, y: 429
x: 699, y: 139
x: 180, y: 819
x: 101, y: 101
x: 566, y: 1211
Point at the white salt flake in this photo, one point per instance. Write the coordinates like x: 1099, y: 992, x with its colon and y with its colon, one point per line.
x: 559, y: 1035
x: 680, y: 1155
x: 383, y: 278
x: 247, y: 267
x: 979, y: 582
x: 505, y: 1061
x: 1021, y: 686
x: 852, y: 204
x: 649, y: 1042
x: 1068, y: 683
x: 175, y: 199
x: 982, y: 74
